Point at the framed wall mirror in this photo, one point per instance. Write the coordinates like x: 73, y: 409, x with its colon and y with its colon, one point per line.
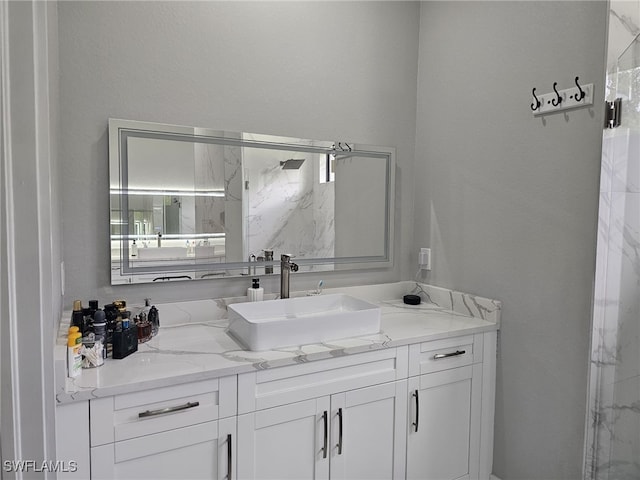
x: 193, y: 203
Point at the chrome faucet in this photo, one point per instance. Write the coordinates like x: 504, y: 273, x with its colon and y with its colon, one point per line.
x: 286, y: 267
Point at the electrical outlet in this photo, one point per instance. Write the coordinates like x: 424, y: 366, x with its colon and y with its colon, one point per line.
x: 424, y: 258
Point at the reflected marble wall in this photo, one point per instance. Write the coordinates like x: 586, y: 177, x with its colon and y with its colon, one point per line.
x: 220, y: 214
x: 288, y: 211
x: 210, y: 175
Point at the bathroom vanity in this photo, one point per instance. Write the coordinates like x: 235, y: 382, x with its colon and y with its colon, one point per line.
x: 413, y: 401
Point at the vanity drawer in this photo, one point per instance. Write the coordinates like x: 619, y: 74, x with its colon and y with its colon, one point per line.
x: 443, y: 354
x: 131, y: 415
x: 283, y: 385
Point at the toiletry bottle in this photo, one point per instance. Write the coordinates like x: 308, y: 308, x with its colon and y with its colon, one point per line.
x: 93, y: 306
x: 77, y: 317
x: 125, y: 320
x: 72, y: 329
x: 74, y: 358
x: 100, y: 326
x: 154, y: 319
x: 134, y: 249
x: 255, y: 293
x: 268, y: 257
x: 87, y: 321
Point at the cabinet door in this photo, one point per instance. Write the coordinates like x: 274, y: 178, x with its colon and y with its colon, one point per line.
x: 195, y: 452
x: 443, y: 424
x: 368, y: 433
x: 287, y: 442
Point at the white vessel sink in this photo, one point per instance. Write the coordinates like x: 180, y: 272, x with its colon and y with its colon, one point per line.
x: 298, y: 321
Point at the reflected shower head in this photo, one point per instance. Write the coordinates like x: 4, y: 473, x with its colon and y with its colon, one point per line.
x: 292, y: 163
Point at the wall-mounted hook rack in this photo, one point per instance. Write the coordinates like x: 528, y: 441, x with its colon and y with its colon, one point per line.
x: 581, y: 94
x: 559, y: 100
x: 556, y: 102
x: 536, y: 101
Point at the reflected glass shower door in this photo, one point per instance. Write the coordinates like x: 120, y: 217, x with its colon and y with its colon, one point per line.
x: 613, y: 430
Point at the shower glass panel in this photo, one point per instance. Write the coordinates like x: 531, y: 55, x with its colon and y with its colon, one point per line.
x: 613, y: 429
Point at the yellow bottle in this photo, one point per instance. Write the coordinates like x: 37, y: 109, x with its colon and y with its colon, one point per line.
x: 74, y: 358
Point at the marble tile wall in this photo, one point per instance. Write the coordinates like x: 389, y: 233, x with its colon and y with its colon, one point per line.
x: 613, y: 428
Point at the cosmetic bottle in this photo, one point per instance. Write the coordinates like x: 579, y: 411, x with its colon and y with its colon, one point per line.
x: 255, y: 293
x: 134, y: 249
x: 77, y: 318
x: 154, y: 319
x: 100, y: 326
x: 93, y: 306
x: 87, y: 321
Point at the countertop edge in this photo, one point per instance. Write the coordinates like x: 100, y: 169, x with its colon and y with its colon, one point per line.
x: 63, y: 397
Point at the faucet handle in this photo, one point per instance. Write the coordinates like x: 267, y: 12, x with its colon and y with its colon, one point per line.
x: 285, y: 259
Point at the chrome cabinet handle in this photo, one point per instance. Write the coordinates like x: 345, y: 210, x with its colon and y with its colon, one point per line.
x: 229, y: 456
x: 162, y: 411
x: 339, y: 431
x: 326, y: 434
x: 438, y: 356
x: 415, y: 394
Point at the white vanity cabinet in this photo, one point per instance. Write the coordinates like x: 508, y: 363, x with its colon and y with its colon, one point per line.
x: 420, y: 411
x: 445, y: 409
x: 181, y: 431
x: 370, y: 442
x: 284, y: 442
x: 349, y: 420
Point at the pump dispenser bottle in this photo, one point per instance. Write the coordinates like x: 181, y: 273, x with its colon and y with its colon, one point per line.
x: 255, y: 293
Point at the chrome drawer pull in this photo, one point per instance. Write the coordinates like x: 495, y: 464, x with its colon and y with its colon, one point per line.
x: 415, y: 394
x: 162, y: 411
x: 325, y: 418
x: 340, y: 431
x: 229, y: 457
x: 438, y: 356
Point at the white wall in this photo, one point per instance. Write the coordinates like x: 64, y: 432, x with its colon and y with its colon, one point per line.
x: 322, y: 70
x: 508, y: 203
x: 30, y: 246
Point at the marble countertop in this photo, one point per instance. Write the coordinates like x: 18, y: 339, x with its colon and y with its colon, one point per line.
x: 193, y: 344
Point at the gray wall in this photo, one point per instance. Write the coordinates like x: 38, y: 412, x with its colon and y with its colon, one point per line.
x: 508, y: 202
x: 321, y: 70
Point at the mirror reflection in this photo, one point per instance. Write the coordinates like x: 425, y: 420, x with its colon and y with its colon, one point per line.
x: 190, y: 203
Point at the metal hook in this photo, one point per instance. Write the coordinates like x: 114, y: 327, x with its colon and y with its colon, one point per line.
x: 556, y: 101
x: 535, y: 106
x: 347, y: 146
x: 581, y: 92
